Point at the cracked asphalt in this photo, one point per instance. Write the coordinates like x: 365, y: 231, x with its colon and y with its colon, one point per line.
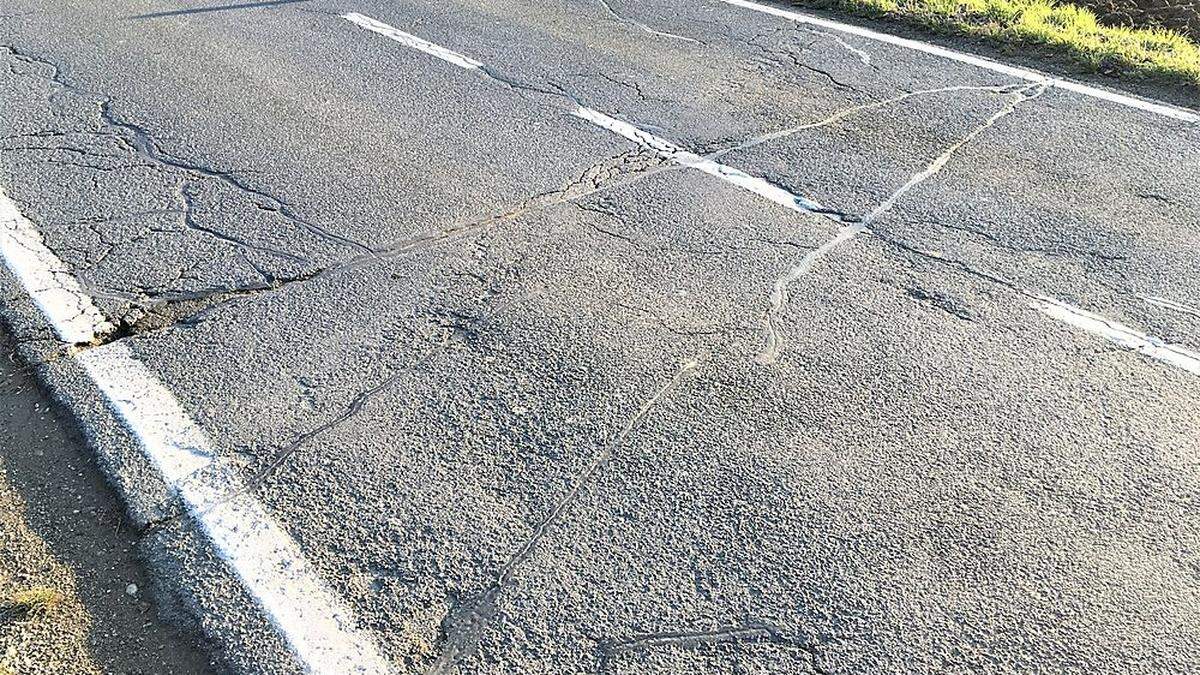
x: 533, y: 397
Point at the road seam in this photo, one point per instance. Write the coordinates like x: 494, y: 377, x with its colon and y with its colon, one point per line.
x: 317, y: 625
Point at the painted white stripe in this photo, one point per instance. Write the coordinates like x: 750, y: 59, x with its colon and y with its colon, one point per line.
x: 317, y: 625
x: 995, y: 66
x: 1123, y: 335
x: 674, y: 153
x: 412, y: 41
x: 663, y: 147
x: 46, y: 278
x: 1120, y: 334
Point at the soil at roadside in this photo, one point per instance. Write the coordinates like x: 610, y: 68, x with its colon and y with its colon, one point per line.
x: 73, y: 596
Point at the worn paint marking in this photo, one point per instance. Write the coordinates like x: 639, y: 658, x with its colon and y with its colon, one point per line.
x: 674, y: 153
x: 46, y: 278
x: 1120, y: 334
x: 412, y: 41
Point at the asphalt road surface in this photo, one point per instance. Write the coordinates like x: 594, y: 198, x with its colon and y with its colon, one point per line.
x: 662, y: 337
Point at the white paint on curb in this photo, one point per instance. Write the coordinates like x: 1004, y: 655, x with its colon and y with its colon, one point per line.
x: 46, y: 278
x: 1120, y: 334
x: 412, y: 41
x: 315, y: 623
x: 1163, y: 109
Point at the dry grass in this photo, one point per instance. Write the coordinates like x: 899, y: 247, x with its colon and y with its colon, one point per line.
x: 1058, y: 26
x: 34, y: 602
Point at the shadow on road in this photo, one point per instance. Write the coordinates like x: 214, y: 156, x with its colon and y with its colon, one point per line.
x: 216, y: 8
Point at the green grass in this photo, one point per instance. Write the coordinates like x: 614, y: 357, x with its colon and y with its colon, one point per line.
x: 37, y: 601
x: 1057, y: 26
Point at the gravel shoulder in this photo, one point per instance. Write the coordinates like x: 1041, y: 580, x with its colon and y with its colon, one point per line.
x: 74, y: 597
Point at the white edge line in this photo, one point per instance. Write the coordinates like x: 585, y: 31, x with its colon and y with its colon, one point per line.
x: 412, y: 41
x: 1163, y: 109
x: 1120, y: 334
x: 316, y: 624
x: 46, y: 278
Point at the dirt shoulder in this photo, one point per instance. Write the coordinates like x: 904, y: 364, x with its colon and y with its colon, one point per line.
x: 73, y: 596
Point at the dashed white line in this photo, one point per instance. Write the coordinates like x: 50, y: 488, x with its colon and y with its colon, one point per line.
x: 1142, y: 343
x: 315, y: 623
x: 1120, y: 334
x: 412, y: 41
x: 674, y: 153
x: 1163, y: 109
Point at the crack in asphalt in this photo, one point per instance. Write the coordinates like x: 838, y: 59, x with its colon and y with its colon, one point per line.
x: 136, y: 139
x: 463, y: 627
x: 144, y: 144
x: 1053, y: 252
x: 852, y: 110
x: 785, y: 57
x: 638, y: 24
x: 778, y: 298
x: 352, y: 410
x: 188, y: 309
x: 751, y: 632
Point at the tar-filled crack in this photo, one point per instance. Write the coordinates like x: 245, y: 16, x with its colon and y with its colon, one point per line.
x: 632, y: 85
x: 152, y: 310
x: 785, y: 57
x: 960, y: 265
x: 262, y: 473
x: 748, y: 633
x: 778, y: 297
x: 608, y: 9
x: 157, y: 311
x: 1061, y: 251
x: 942, y: 301
x: 141, y: 141
x: 464, y: 625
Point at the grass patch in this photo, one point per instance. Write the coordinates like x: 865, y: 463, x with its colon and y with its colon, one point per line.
x: 1065, y: 28
x: 35, y: 602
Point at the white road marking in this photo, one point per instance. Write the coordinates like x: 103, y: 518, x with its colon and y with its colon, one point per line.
x: 676, y: 154
x: 409, y: 40
x: 47, y: 279
x: 1013, y: 71
x: 1120, y: 334
x: 1142, y: 343
x: 863, y: 57
x: 316, y: 624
